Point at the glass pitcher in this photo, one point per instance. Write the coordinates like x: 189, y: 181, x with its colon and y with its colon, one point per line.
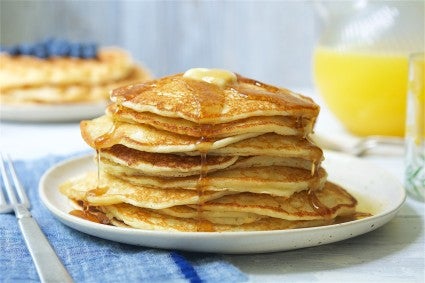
x: 361, y: 61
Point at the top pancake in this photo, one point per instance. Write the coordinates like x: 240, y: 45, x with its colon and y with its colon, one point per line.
x: 206, y: 103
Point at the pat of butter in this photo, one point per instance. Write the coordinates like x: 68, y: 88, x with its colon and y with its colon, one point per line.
x: 218, y: 77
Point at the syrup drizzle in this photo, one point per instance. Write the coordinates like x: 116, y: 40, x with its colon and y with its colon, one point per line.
x: 317, y: 205
x: 299, y: 122
x: 201, y: 224
x: 210, y: 102
x: 130, y: 92
x: 203, y: 145
x: 313, y: 168
x: 272, y: 94
x: 98, y: 157
x: 101, y: 142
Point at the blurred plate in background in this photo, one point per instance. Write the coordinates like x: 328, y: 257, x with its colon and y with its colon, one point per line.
x: 52, y: 113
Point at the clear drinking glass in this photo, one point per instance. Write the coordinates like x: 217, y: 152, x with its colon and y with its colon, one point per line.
x: 415, y: 128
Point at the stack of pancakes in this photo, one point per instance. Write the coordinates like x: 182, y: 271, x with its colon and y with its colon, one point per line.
x: 207, y: 150
x: 32, y: 80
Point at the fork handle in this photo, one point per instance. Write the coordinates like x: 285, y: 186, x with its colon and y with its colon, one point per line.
x: 47, y: 263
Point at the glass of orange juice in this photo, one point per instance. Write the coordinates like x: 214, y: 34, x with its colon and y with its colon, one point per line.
x: 366, y: 91
x: 360, y: 64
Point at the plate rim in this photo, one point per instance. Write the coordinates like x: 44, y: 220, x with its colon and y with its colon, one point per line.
x: 60, y: 112
x: 82, y: 225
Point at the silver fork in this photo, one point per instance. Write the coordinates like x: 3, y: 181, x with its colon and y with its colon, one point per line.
x: 47, y: 263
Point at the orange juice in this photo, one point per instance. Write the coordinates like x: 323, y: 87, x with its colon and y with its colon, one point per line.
x: 365, y: 91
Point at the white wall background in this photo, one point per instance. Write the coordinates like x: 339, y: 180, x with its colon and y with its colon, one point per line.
x: 271, y: 41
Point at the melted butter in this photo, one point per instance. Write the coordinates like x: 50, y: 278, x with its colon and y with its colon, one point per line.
x: 218, y: 77
x: 209, y: 100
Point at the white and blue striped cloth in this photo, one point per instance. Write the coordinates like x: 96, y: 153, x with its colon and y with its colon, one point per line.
x: 90, y: 259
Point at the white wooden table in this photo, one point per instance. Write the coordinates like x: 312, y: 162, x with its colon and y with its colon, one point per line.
x: 392, y: 253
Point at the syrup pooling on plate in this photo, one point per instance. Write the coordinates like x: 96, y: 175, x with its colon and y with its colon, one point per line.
x: 89, y: 213
x: 96, y: 217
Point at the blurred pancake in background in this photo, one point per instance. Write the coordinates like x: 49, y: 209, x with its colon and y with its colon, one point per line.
x: 60, y: 73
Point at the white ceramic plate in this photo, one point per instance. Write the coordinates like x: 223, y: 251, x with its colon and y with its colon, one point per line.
x: 377, y: 191
x: 52, y: 113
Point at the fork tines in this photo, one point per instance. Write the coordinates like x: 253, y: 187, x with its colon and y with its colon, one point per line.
x: 8, y: 173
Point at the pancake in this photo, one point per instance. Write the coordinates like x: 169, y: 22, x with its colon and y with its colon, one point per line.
x: 142, y: 218
x: 275, y: 180
x: 282, y: 125
x: 149, y: 139
x: 217, y: 217
x: 173, y: 165
x: 270, y: 145
x: 264, y: 161
x: 240, y: 210
x: 328, y: 203
x: 137, y: 162
x: 111, y: 64
x: 113, y: 190
x: 78, y: 93
x: 103, y: 132
x: 206, y: 103
x: 166, y: 165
